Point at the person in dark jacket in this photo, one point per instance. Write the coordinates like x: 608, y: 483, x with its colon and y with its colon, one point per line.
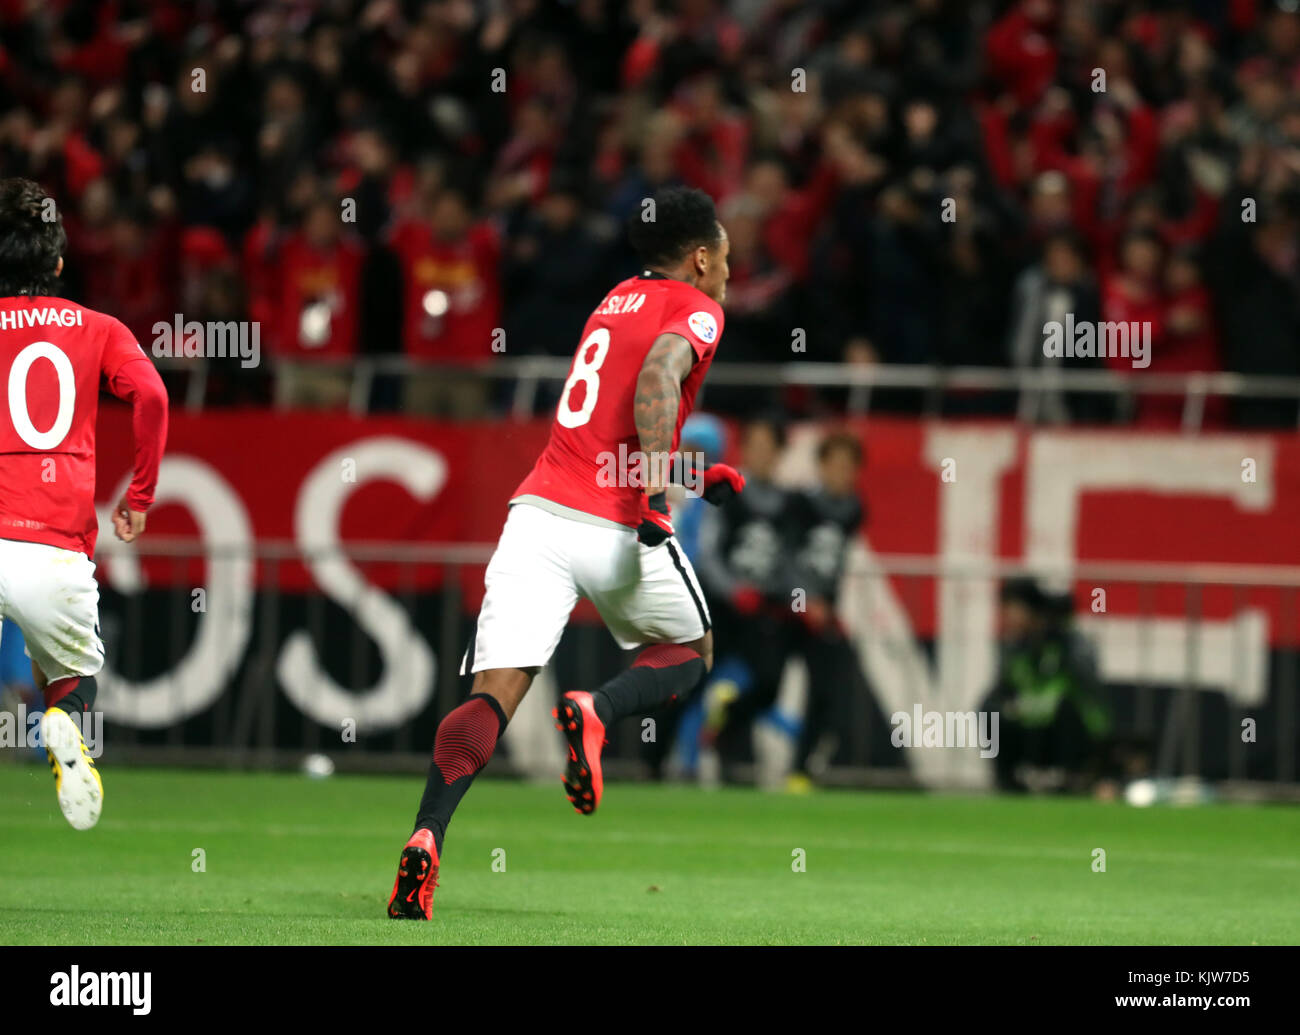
x: 1047, y: 695
x: 825, y: 519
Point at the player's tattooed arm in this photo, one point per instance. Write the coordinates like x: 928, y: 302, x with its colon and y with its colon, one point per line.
x: 658, y: 395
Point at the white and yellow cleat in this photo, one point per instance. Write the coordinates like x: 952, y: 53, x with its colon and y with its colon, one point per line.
x: 76, y: 780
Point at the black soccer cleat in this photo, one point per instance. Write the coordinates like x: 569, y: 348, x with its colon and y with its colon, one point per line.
x: 417, y: 876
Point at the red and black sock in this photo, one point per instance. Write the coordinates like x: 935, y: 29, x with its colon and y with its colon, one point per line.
x: 464, y: 742
x: 74, y: 695
x: 661, y: 673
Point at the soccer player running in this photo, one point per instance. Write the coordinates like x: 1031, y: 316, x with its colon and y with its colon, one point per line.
x: 574, y: 531
x: 53, y: 355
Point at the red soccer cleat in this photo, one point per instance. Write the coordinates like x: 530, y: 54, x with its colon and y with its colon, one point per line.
x: 576, y: 718
x: 417, y: 876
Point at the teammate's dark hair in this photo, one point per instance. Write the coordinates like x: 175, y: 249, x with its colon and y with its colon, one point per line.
x: 31, y: 239
x: 838, y: 440
x: 684, y: 219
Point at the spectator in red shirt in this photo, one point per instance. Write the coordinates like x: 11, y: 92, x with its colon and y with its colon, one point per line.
x: 138, y: 280
x: 714, y: 144
x: 90, y: 243
x: 259, y: 266
x: 522, y: 170
x: 1189, y: 343
x: 1021, y: 53
x: 452, y: 301
x: 319, y: 299
x: 789, y: 216
x: 1134, y: 294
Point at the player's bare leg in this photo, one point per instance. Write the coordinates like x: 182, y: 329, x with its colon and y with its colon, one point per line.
x: 662, y: 672
x: 464, y: 742
x: 506, y: 685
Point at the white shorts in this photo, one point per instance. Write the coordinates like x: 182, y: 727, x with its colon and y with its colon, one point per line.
x: 544, y: 562
x: 52, y: 595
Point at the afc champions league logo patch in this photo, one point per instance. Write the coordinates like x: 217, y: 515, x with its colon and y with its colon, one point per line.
x: 704, y: 326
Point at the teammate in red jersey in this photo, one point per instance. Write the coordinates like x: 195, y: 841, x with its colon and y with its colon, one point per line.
x: 53, y: 355
x: 592, y: 520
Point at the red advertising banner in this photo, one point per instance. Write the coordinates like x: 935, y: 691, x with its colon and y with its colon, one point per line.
x: 957, y: 491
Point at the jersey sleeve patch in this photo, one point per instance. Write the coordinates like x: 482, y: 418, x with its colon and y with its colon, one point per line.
x: 703, y: 326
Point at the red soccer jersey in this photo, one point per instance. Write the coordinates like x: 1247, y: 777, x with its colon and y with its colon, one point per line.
x: 52, y: 355
x: 594, y: 421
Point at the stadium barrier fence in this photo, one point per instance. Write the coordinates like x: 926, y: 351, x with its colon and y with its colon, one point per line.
x: 281, y: 673
x: 1026, y: 388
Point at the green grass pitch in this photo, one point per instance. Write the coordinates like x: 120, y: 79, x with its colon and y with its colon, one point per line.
x: 291, y: 860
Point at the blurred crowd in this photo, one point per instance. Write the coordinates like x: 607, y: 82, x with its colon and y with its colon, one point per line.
x: 920, y: 182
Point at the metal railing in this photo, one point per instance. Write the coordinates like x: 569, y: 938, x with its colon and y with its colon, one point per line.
x: 528, y: 374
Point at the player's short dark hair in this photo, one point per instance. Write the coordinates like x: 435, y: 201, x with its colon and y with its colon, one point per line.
x: 840, y: 440
x: 684, y: 219
x: 32, y: 239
